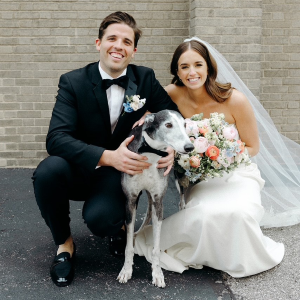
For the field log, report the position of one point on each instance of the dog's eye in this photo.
(169, 125)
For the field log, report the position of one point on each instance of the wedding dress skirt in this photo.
(218, 228)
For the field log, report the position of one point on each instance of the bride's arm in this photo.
(245, 121)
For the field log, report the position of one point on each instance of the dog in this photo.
(162, 129)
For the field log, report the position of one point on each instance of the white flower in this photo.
(142, 103)
(136, 98)
(184, 161)
(134, 105)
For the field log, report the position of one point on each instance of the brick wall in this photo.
(40, 40)
(280, 74)
(234, 29)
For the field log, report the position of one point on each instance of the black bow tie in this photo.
(146, 148)
(121, 81)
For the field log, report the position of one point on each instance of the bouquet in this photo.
(218, 149)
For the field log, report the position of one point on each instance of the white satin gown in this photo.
(219, 228)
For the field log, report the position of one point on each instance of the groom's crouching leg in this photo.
(50, 181)
(104, 211)
(107, 220)
(102, 221)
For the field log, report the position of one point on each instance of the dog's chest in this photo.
(150, 179)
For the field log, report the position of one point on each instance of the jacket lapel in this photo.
(100, 94)
(130, 91)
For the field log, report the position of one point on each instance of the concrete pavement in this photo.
(26, 252)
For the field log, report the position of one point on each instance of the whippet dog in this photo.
(165, 128)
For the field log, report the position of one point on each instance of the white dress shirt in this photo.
(115, 97)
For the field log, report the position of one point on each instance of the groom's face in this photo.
(116, 48)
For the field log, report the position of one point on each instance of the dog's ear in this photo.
(149, 124)
(149, 118)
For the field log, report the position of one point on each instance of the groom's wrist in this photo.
(106, 158)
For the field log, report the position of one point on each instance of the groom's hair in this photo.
(120, 17)
(218, 91)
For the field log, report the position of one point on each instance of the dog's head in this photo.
(166, 128)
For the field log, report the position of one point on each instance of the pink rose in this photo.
(191, 128)
(230, 133)
(201, 144)
(212, 152)
(194, 161)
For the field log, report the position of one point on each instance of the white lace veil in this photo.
(278, 158)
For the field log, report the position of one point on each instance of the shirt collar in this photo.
(104, 75)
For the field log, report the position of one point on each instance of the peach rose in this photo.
(203, 130)
(241, 146)
(194, 161)
(212, 152)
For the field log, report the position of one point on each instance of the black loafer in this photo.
(62, 269)
(117, 243)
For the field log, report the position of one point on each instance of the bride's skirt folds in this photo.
(218, 228)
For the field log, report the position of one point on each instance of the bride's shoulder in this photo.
(171, 88)
(238, 103)
(174, 91)
(237, 99)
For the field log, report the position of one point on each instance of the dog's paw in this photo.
(181, 205)
(158, 278)
(124, 275)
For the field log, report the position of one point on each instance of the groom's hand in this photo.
(124, 160)
(167, 162)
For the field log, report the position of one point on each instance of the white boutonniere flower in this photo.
(133, 103)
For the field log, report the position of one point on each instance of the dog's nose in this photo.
(189, 147)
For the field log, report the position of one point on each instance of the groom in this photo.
(87, 142)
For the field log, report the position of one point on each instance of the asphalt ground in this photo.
(27, 250)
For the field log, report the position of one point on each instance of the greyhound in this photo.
(165, 128)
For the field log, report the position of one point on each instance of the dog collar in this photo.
(146, 148)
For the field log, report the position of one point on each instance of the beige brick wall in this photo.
(40, 40)
(280, 64)
(234, 28)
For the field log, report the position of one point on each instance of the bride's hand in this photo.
(141, 120)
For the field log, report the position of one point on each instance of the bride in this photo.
(220, 225)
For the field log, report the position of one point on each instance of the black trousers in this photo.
(56, 182)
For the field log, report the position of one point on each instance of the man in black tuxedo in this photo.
(87, 142)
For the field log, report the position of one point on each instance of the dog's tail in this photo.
(147, 216)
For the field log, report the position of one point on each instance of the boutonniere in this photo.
(133, 103)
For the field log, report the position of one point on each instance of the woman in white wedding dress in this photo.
(220, 225)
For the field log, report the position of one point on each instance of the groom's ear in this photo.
(134, 51)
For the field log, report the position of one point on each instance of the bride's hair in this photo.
(218, 91)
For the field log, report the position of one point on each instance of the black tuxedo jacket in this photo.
(80, 127)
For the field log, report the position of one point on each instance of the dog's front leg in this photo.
(126, 271)
(181, 191)
(157, 274)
